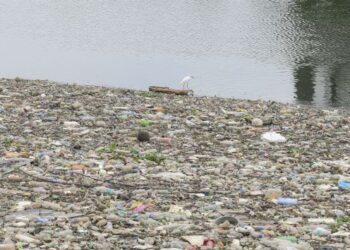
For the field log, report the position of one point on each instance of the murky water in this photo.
(285, 50)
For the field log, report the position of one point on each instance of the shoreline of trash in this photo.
(88, 167)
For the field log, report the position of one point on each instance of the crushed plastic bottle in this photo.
(259, 228)
(320, 231)
(287, 201)
(43, 158)
(42, 221)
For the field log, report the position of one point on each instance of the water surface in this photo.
(290, 50)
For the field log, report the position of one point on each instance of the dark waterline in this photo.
(290, 51)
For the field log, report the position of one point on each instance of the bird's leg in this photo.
(187, 86)
(183, 86)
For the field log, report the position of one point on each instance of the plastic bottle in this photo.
(287, 201)
(344, 184)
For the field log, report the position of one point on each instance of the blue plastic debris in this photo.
(42, 221)
(344, 184)
(287, 201)
(109, 191)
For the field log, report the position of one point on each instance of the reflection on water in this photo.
(291, 50)
(326, 76)
(304, 83)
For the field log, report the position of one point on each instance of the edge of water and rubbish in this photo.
(99, 167)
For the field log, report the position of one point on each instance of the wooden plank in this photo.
(167, 90)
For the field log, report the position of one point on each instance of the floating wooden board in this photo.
(167, 90)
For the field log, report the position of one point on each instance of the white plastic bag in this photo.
(273, 137)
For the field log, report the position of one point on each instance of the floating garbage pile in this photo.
(98, 168)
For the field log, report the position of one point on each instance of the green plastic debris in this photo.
(145, 123)
(289, 238)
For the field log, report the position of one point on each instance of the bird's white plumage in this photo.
(186, 80)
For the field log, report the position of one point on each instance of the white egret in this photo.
(185, 81)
